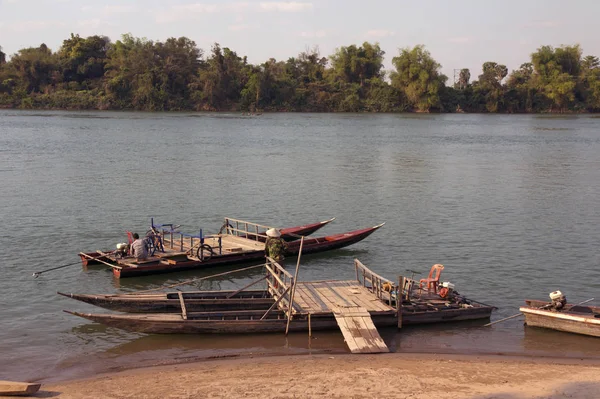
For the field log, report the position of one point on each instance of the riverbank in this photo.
(417, 376)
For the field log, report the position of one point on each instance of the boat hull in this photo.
(175, 324)
(583, 320)
(309, 246)
(201, 301)
(288, 234)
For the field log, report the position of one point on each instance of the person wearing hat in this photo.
(275, 246)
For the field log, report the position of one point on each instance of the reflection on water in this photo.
(507, 203)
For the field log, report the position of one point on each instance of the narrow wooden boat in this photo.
(314, 303)
(576, 319)
(293, 233)
(14, 388)
(169, 302)
(288, 234)
(236, 322)
(219, 250)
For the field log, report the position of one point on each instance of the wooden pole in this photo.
(291, 308)
(309, 327)
(90, 258)
(521, 314)
(275, 304)
(399, 296)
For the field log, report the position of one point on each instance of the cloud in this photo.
(28, 26)
(460, 39)
(310, 35)
(282, 6)
(184, 12)
(239, 27)
(93, 23)
(544, 24)
(380, 33)
(107, 11)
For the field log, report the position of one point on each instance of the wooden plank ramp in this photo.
(358, 329)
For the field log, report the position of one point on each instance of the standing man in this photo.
(139, 248)
(275, 246)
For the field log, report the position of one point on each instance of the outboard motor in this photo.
(447, 289)
(558, 300)
(122, 249)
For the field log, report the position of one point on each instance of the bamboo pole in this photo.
(36, 274)
(196, 279)
(291, 308)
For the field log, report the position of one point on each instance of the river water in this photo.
(508, 203)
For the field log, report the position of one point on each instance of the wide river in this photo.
(508, 203)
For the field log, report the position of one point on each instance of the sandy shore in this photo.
(348, 376)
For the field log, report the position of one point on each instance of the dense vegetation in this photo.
(140, 74)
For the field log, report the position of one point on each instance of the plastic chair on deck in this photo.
(433, 280)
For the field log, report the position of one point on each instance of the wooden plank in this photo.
(321, 305)
(182, 303)
(18, 388)
(359, 331)
(311, 304)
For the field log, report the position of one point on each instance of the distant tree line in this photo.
(141, 74)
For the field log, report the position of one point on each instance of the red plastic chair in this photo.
(130, 237)
(433, 280)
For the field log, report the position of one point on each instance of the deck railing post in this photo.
(181, 238)
(293, 285)
(399, 295)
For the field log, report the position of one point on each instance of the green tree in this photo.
(557, 71)
(489, 86)
(418, 77)
(353, 64)
(34, 68)
(2, 57)
(521, 89)
(463, 79)
(83, 59)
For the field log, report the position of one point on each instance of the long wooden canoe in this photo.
(169, 302)
(236, 322)
(294, 233)
(14, 388)
(214, 301)
(248, 251)
(576, 319)
(244, 322)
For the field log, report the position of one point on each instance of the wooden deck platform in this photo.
(317, 297)
(352, 306)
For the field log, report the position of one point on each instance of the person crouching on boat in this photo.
(275, 246)
(139, 248)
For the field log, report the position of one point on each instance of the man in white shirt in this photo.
(139, 248)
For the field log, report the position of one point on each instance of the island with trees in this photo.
(175, 75)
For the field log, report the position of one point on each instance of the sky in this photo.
(458, 34)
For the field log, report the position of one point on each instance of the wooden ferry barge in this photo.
(357, 307)
(244, 242)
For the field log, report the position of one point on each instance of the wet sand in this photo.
(393, 375)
